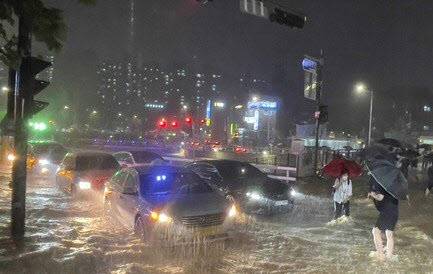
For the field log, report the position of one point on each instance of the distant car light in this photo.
(43, 162)
(11, 157)
(294, 193)
(44, 170)
(84, 185)
(233, 211)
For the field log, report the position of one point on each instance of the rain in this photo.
(210, 136)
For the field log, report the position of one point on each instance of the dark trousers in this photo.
(340, 209)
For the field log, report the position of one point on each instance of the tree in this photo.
(48, 26)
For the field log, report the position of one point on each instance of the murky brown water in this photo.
(66, 236)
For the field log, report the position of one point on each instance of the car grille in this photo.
(203, 220)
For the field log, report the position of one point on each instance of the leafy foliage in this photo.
(48, 26)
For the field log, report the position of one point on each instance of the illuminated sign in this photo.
(262, 105)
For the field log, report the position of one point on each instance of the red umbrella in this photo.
(337, 166)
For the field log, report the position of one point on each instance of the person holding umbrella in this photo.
(342, 193)
(387, 186)
(343, 171)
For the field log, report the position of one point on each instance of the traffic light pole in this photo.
(318, 103)
(19, 169)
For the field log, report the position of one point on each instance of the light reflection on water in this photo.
(70, 236)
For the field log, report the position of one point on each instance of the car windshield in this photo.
(145, 156)
(230, 171)
(98, 162)
(172, 183)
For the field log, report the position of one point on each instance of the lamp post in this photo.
(361, 88)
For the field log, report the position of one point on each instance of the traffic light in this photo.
(323, 116)
(188, 120)
(33, 66)
(288, 18)
(162, 123)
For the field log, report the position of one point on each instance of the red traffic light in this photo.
(162, 123)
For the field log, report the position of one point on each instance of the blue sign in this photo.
(262, 105)
(309, 65)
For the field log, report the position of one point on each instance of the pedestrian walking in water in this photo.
(342, 193)
(429, 181)
(387, 206)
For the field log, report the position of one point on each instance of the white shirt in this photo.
(343, 190)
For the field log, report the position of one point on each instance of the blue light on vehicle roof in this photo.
(161, 178)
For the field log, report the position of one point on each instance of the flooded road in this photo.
(67, 236)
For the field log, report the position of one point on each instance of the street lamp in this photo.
(361, 89)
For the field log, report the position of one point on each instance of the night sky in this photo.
(384, 43)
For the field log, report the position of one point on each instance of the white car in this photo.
(167, 202)
(137, 158)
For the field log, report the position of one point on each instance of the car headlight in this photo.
(255, 196)
(233, 211)
(84, 185)
(160, 217)
(43, 162)
(44, 170)
(11, 157)
(293, 193)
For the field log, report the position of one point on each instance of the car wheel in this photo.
(141, 228)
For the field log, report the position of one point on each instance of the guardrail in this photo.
(281, 173)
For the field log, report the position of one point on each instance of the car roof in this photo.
(149, 169)
(222, 162)
(90, 153)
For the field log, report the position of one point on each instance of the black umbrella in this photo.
(389, 177)
(411, 154)
(425, 146)
(377, 151)
(428, 157)
(390, 142)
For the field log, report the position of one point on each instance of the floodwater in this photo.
(67, 236)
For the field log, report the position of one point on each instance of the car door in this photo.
(128, 199)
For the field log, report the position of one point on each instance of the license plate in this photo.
(208, 231)
(281, 203)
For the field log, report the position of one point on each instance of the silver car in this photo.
(167, 202)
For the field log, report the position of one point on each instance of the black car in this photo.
(252, 189)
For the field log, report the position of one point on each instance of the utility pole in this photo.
(19, 168)
(318, 103)
(313, 91)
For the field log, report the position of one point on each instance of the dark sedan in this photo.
(252, 189)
